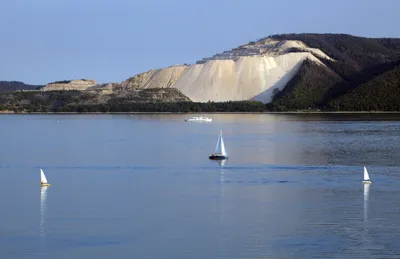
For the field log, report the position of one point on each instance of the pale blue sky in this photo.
(109, 41)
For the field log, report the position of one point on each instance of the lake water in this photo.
(142, 186)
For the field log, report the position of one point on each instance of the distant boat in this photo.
(199, 119)
(366, 176)
(43, 179)
(220, 152)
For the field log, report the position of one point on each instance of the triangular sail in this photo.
(223, 152)
(220, 147)
(43, 178)
(366, 175)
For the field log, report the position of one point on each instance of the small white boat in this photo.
(220, 152)
(199, 119)
(43, 179)
(366, 176)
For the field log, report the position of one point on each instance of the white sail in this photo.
(220, 147)
(223, 151)
(366, 175)
(43, 178)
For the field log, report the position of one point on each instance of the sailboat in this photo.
(220, 152)
(43, 179)
(366, 176)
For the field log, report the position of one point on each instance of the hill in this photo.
(76, 101)
(67, 85)
(286, 72)
(358, 62)
(8, 86)
(382, 93)
(250, 72)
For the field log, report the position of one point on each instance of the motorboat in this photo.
(199, 119)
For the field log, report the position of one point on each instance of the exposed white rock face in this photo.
(295, 44)
(158, 78)
(267, 47)
(249, 72)
(107, 88)
(80, 85)
(247, 78)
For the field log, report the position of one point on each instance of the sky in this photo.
(109, 41)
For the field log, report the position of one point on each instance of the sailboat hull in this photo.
(369, 181)
(44, 184)
(218, 157)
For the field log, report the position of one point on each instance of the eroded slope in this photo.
(250, 72)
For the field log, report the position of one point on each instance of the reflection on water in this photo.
(43, 194)
(366, 237)
(290, 189)
(365, 207)
(221, 205)
(221, 194)
(366, 196)
(221, 163)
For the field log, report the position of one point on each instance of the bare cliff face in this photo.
(159, 78)
(246, 78)
(250, 72)
(80, 85)
(253, 71)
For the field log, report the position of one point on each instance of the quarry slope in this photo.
(250, 72)
(247, 78)
(158, 78)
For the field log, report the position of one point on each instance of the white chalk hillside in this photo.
(158, 78)
(250, 72)
(247, 78)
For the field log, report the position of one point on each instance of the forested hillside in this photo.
(382, 93)
(358, 62)
(8, 86)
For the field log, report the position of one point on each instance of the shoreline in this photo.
(143, 113)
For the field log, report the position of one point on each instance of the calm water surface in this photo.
(142, 187)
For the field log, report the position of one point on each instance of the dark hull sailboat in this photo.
(217, 157)
(220, 152)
